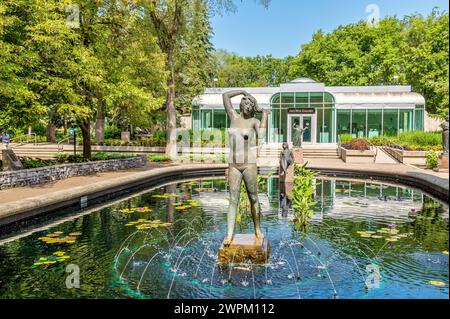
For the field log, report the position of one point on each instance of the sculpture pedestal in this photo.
(244, 248)
(298, 155)
(10, 161)
(443, 164)
(298, 159)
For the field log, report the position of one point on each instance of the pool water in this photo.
(365, 240)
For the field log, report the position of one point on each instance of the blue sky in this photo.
(286, 24)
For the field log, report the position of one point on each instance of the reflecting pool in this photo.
(365, 240)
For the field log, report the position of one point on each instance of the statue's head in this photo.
(249, 106)
(285, 145)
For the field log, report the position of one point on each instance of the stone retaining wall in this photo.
(52, 173)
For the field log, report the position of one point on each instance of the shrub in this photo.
(158, 138)
(420, 138)
(62, 157)
(158, 158)
(28, 163)
(112, 132)
(382, 141)
(102, 156)
(345, 138)
(359, 144)
(432, 159)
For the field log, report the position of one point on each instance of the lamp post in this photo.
(73, 134)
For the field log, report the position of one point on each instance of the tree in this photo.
(18, 105)
(168, 20)
(414, 49)
(236, 71)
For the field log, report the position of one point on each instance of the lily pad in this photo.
(437, 283)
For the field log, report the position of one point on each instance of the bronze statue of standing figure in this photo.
(298, 137)
(245, 134)
(286, 159)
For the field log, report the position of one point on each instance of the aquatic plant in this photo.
(243, 211)
(303, 194)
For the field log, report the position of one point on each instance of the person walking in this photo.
(6, 138)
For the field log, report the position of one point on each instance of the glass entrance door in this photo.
(301, 126)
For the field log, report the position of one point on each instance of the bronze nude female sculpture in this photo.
(245, 133)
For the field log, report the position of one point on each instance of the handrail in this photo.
(60, 146)
(60, 143)
(373, 148)
(20, 138)
(339, 145)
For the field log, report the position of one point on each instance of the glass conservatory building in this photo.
(328, 112)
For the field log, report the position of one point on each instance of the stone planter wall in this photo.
(408, 157)
(52, 173)
(355, 156)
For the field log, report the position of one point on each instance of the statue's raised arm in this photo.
(227, 96)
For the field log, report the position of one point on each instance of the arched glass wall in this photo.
(324, 114)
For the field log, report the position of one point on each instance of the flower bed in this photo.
(357, 151)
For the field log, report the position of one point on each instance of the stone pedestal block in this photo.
(443, 163)
(245, 248)
(298, 155)
(10, 161)
(125, 137)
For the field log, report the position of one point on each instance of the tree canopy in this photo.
(127, 60)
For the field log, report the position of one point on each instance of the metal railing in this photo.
(60, 144)
(375, 149)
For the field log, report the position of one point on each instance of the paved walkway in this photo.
(19, 193)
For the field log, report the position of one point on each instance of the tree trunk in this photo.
(85, 131)
(171, 126)
(100, 125)
(50, 133)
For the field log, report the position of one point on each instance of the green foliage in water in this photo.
(303, 195)
(244, 213)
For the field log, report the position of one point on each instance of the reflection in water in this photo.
(163, 243)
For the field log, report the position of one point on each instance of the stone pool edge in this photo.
(83, 196)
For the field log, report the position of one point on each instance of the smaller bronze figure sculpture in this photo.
(286, 159)
(445, 129)
(298, 137)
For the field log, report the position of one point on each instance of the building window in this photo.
(316, 98)
(405, 121)
(374, 123)
(283, 125)
(275, 99)
(319, 125)
(207, 119)
(343, 122)
(220, 119)
(328, 125)
(274, 127)
(287, 98)
(419, 118)
(359, 123)
(302, 98)
(390, 122)
(195, 118)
